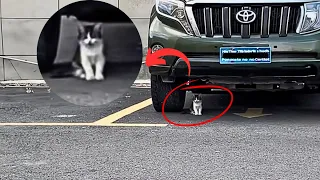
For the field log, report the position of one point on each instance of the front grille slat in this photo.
(271, 19)
(245, 28)
(226, 25)
(217, 20)
(284, 20)
(208, 22)
(265, 21)
(211, 22)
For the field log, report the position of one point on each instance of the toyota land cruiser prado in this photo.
(240, 44)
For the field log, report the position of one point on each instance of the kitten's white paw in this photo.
(78, 73)
(82, 76)
(99, 77)
(90, 77)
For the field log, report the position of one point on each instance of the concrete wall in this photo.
(22, 21)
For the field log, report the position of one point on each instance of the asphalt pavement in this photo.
(263, 136)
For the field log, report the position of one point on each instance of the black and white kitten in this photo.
(196, 105)
(89, 61)
(92, 59)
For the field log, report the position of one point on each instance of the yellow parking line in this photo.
(84, 124)
(45, 124)
(120, 114)
(133, 125)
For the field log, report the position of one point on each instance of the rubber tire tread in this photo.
(159, 90)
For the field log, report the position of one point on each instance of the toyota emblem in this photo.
(246, 16)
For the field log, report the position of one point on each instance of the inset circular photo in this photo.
(89, 53)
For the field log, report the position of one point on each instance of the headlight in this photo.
(311, 19)
(174, 9)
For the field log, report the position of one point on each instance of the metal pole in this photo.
(19, 60)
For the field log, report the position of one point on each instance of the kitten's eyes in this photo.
(96, 35)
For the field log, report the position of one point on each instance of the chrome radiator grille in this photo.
(280, 19)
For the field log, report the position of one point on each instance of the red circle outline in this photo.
(197, 87)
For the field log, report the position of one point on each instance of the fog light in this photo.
(156, 48)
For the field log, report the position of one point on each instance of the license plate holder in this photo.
(245, 55)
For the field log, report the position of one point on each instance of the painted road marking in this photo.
(64, 116)
(141, 83)
(45, 124)
(107, 121)
(120, 114)
(252, 113)
(85, 124)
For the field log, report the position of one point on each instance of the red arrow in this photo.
(154, 58)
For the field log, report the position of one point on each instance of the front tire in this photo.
(159, 90)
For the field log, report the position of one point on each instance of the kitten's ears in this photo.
(98, 27)
(198, 96)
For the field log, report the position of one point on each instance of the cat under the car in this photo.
(196, 105)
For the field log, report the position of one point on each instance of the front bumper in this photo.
(294, 56)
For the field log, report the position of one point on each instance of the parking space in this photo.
(247, 108)
(135, 107)
(263, 135)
